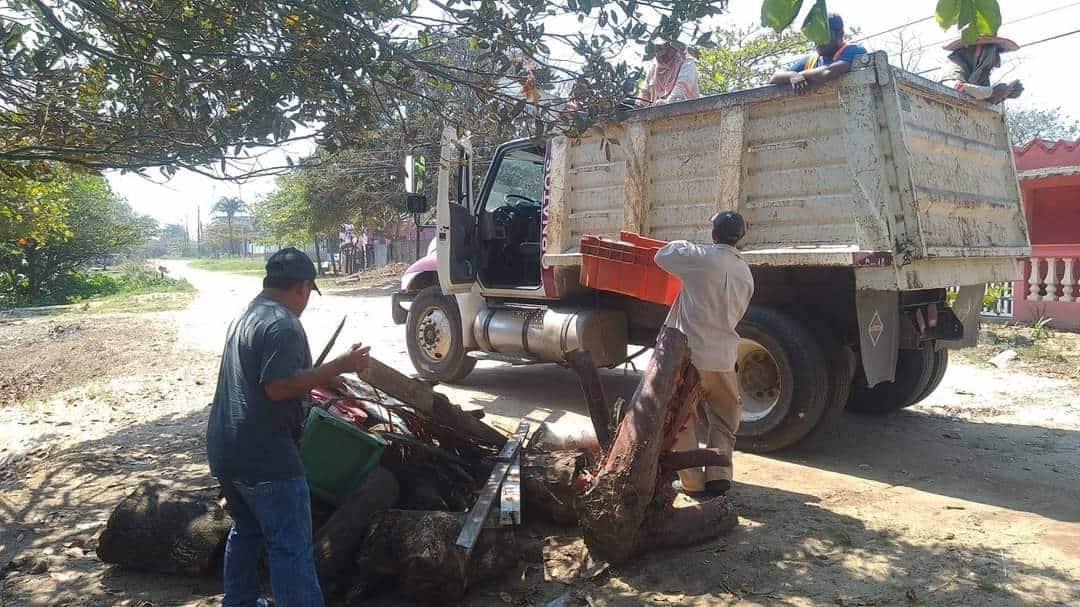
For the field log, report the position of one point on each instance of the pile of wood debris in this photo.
(440, 511)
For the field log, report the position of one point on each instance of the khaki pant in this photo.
(723, 410)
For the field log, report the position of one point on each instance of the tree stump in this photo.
(161, 530)
(549, 485)
(629, 506)
(415, 549)
(337, 541)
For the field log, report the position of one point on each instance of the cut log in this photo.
(337, 540)
(161, 530)
(581, 361)
(459, 429)
(628, 508)
(549, 485)
(416, 550)
(411, 391)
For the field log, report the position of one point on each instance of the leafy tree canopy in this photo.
(1050, 124)
(132, 84)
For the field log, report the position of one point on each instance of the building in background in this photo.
(1049, 175)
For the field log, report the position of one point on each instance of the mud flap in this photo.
(879, 333)
(968, 305)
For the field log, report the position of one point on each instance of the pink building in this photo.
(1050, 183)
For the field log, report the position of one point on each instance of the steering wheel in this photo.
(524, 199)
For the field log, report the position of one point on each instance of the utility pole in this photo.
(198, 231)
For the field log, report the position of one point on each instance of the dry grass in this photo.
(1041, 352)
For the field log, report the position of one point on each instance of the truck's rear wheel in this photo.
(841, 370)
(941, 364)
(782, 381)
(914, 371)
(434, 338)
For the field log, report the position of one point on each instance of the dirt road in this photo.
(972, 498)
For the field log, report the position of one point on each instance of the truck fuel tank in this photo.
(546, 334)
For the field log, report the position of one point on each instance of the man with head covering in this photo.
(716, 289)
(973, 66)
(830, 61)
(673, 77)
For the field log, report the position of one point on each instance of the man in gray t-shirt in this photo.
(253, 434)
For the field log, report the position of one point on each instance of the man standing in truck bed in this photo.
(716, 290)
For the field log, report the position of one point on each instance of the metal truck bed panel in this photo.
(880, 162)
(966, 192)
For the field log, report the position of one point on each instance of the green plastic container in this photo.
(336, 455)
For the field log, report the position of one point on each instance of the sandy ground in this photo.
(972, 498)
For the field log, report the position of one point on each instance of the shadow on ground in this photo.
(1017, 467)
(790, 550)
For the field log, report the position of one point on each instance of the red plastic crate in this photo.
(626, 266)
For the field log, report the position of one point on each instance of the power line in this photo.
(893, 29)
(1012, 22)
(1031, 44)
(1023, 47)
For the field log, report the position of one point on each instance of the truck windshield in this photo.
(518, 181)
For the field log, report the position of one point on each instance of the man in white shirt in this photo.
(716, 289)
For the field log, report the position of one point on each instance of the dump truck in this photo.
(878, 206)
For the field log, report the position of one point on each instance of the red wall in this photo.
(1054, 215)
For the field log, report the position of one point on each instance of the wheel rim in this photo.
(433, 334)
(759, 381)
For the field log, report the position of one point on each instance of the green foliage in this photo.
(139, 278)
(994, 292)
(86, 222)
(160, 85)
(1049, 124)
(79, 286)
(1040, 328)
(744, 58)
(973, 18)
(816, 24)
(778, 14)
(241, 265)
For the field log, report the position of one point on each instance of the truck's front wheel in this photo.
(434, 337)
(783, 381)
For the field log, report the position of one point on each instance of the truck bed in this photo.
(880, 170)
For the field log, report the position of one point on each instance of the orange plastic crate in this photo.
(626, 266)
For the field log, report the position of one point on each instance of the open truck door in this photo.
(455, 221)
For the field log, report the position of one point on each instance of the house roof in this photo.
(1041, 154)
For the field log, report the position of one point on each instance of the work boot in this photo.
(717, 488)
(677, 485)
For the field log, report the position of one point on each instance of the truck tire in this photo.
(914, 370)
(941, 364)
(783, 381)
(434, 338)
(841, 372)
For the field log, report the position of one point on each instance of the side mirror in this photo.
(416, 204)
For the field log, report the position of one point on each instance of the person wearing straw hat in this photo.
(673, 77)
(830, 61)
(974, 63)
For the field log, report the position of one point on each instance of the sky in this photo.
(187, 195)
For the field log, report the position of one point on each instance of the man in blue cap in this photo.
(830, 61)
(252, 438)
